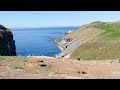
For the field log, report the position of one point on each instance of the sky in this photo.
(28, 19)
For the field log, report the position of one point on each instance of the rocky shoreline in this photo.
(59, 47)
(57, 44)
(66, 45)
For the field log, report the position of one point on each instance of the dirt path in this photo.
(51, 68)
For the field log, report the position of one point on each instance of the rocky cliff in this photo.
(7, 44)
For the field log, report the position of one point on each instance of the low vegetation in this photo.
(11, 58)
(97, 51)
(105, 46)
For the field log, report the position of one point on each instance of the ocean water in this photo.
(37, 41)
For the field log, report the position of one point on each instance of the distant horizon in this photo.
(26, 19)
(42, 27)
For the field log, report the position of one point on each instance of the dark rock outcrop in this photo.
(7, 44)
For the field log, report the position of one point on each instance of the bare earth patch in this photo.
(52, 68)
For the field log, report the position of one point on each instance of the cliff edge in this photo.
(7, 44)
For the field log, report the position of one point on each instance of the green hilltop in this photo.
(104, 46)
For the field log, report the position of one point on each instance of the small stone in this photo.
(84, 72)
(111, 62)
(78, 58)
(43, 65)
(40, 61)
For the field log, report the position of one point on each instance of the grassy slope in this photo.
(11, 58)
(105, 46)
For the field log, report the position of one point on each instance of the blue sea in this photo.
(37, 41)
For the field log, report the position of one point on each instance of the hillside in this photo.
(96, 41)
(105, 46)
(90, 52)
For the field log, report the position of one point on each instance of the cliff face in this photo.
(7, 44)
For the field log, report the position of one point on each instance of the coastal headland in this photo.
(90, 52)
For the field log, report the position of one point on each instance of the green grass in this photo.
(10, 58)
(14, 58)
(107, 26)
(112, 31)
(103, 47)
(97, 51)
